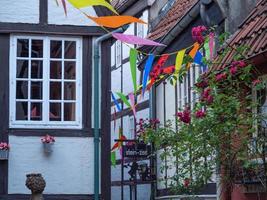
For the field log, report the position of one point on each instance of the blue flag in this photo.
(116, 101)
(148, 67)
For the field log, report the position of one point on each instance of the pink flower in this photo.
(256, 82)
(206, 93)
(203, 84)
(220, 77)
(184, 116)
(240, 64)
(210, 99)
(200, 114)
(186, 182)
(197, 33)
(48, 139)
(233, 70)
(4, 146)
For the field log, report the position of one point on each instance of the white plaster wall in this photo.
(57, 16)
(19, 11)
(68, 170)
(170, 101)
(160, 103)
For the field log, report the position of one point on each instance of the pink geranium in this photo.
(200, 114)
(206, 96)
(220, 77)
(233, 70)
(202, 84)
(48, 139)
(197, 33)
(240, 64)
(4, 146)
(256, 82)
(184, 116)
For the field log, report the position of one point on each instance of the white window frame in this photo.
(45, 123)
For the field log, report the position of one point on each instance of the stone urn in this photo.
(35, 183)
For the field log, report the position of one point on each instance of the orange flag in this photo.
(115, 21)
(193, 52)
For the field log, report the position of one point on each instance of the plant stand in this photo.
(48, 147)
(4, 154)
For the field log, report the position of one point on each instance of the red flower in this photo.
(200, 114)
(256, 82)
(203, 84)
(233, 70)
(4, 146)
(210, 99)
(220, 77)
(186, 182)
(48, 139)
(206, 93)
(197, 33)
(240, 64)
(184, 116)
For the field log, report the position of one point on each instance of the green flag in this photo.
(124, 99)
(133, 60)
(113, 158)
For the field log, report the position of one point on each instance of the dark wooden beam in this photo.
(4, 108)
(51, 29)
(43, 10)
(48, 197)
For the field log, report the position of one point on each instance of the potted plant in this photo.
(48, 141)
(4, 150)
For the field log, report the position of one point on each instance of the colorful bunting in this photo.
(132, 99)
(124, 99)
(86, 3)
(113, 159)
(147, 70)
(132, 39)
(179, 61)
(116, 102)
(115, 21)
(194, 50)
(133, 60)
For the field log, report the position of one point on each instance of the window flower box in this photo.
(4, 151)
(48, 142)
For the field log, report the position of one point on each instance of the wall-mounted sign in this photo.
(136, 150)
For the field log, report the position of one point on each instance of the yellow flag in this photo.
(86, 3)
(179, 61)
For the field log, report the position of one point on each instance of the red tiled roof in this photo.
(252, 33)
(118, 3)
(179, 9)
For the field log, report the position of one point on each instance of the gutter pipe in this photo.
(96, 66)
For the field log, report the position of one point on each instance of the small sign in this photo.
(136, 150)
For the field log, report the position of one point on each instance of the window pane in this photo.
(55, 70)
(70, 50)
(69, 70)
(22, 69)
(23, 48)
(22, 90)
(55, 49)
(37, 69)
(69, 91)
(69, 111)
(37, 48)
(55, 90)
(55, 112)
(36, 111)
(21, 110)
(36, 90)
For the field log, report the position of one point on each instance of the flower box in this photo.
(4, 154)
(48, 141)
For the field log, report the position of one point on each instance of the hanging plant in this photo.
(48, 141)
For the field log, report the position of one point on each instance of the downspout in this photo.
(96, 66)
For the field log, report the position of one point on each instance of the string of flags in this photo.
(152, 74)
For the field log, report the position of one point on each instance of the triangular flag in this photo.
(147, 70)
(193, 52)
(113, 159)
(64, 6)
(131, 97)
(124, 99)
(116, 101)
(211, 44)
(132, 39)
(179, 61)
(133, 60)
(87, 3)
(115, 21)
(207, 49)
(198, 60)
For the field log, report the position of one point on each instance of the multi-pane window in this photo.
(45, 76)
